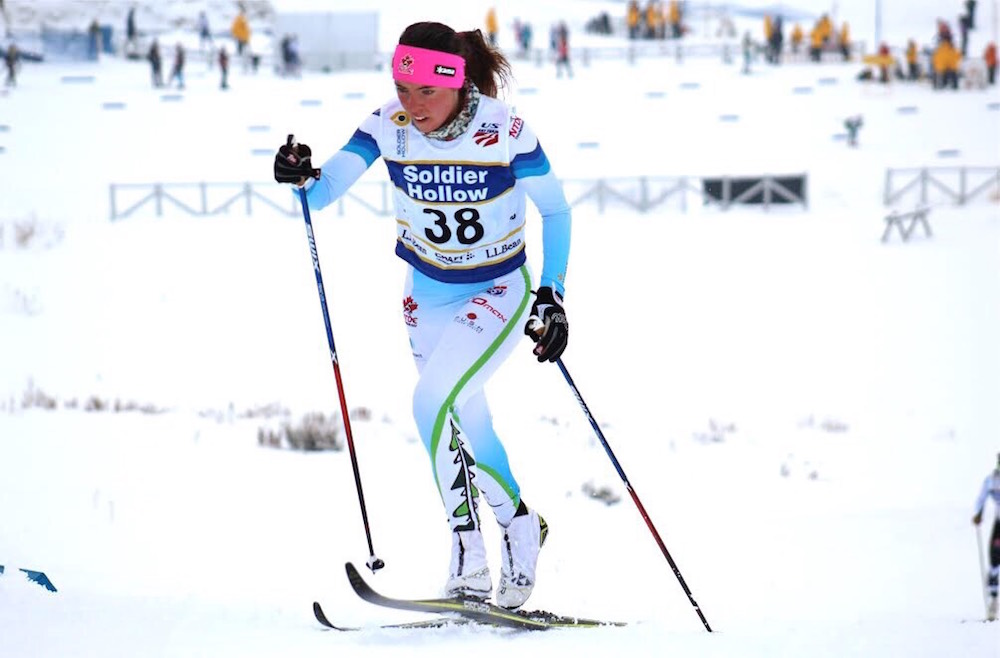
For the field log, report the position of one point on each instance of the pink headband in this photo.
(428, 67)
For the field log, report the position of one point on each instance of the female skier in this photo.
(461, 163)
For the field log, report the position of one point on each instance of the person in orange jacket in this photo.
(990, 58)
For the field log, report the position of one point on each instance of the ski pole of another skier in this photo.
(982, 570)
(373, 563)
(632, 493)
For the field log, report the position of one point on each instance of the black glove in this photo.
(293, 163)
(547, 325)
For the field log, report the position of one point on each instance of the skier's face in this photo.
(429, 107)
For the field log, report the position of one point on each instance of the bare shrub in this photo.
(313, 432)
(603, 494)
(24, 232)
(95, 403)
(37, 398)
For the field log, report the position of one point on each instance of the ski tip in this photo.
(321, 616)
(357, 581)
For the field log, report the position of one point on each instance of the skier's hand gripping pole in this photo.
(547, 325)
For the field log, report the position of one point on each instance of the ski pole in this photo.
(982, 570)
(373, 563)
(631, 491)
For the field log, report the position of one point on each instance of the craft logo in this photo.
(487, 135)
(515, 127)
(406, 65)
(409, 306)
(441, 69)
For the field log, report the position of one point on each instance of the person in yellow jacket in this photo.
(815, 43)
(654, 20)
(945, 61)
(632, 19)
(674, 18)
(492, 27)
(912, 61)
(797, 37)
(825, 28)
(241, 32)
(844, 39)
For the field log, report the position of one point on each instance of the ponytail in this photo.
(484, 65)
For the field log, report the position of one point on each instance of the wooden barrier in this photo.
(906, 222)
(959, 185)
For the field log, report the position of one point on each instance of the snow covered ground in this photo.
(806, 413)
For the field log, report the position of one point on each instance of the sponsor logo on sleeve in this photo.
(515, 127)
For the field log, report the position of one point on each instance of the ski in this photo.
(440, 622)
(473, 610)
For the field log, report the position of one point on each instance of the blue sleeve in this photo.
(545, 191)
(343, 169)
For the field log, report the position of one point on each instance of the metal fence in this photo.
(642, 194)
(958, 185)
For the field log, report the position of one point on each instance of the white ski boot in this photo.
(991, 611)
(520, 544)
(470, 574)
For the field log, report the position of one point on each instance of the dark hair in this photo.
(484, 65)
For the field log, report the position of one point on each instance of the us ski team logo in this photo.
(487, 135)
